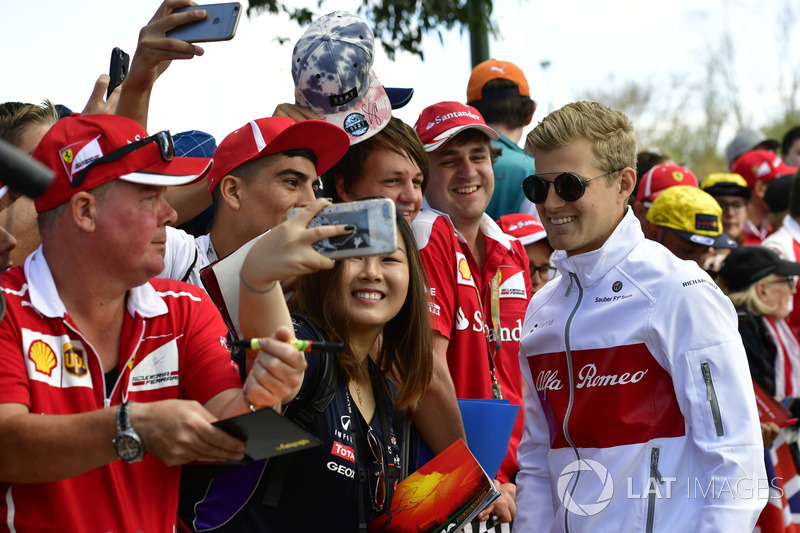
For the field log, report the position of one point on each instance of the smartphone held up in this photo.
(219, 25)
(120, 63)
(375, 230)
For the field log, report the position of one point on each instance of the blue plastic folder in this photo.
(488, 425)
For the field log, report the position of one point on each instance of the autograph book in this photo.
(445, 494)
(267, 434)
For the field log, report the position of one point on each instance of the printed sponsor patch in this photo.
(55, 359)
(463, 273)
(79, 155)
(513, 284)
(706, 222)
(157, 370)
(74, 360)
(343, 451)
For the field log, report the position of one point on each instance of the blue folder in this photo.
(488, 425)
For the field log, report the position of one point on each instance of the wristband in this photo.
(253, 289)
(246, 399)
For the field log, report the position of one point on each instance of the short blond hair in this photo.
(609, 130)
(748, 299)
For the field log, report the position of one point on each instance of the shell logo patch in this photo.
(463, 273)
(74, 360)
(43, 357)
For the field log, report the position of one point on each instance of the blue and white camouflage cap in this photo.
(332, 71)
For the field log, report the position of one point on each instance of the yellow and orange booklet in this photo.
(445, 494)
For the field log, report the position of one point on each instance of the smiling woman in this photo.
(376, 306)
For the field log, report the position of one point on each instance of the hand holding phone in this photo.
(219, 25)
(120, 63)
(375, 230)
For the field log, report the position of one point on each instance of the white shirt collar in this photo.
(44, 296)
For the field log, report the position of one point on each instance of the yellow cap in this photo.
(694, 215)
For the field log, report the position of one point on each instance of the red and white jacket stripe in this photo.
(639, 407)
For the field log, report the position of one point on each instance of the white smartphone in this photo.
(375, 230)
(219, 25)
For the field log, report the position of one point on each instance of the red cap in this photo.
(440, 122)
(526, 228)
(760, 165)
(271, 135)
(662, 177)
(493, 69)
(75, 142)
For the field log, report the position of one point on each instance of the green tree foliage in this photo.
(400, 25)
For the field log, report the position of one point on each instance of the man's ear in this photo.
(627, 182)
(761, 288)
(230, 189)
(341, 191)
(530, 115)
(83, 209)
(760, 188)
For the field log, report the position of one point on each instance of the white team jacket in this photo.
(639, 407)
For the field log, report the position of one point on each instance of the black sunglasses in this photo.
(165, 147)
(569, 186)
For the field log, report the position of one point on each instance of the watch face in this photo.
(128, 447)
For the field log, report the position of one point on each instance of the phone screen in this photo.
(219, 25)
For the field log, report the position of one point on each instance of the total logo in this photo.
(593, 478)
(506, 334)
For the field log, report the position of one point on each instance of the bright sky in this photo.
(56, 50)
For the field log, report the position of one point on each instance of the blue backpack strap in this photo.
(310, 407)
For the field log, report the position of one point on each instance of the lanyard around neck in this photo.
(386, 451)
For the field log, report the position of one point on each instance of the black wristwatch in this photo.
(127, 443)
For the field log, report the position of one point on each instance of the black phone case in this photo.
(120, 62)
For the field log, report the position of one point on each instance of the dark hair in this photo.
(406, 347)
(645, 160)
(396, 136)
(788, 140)
(512, 111)
(794, 196)
(248, 171)
(474, 134)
